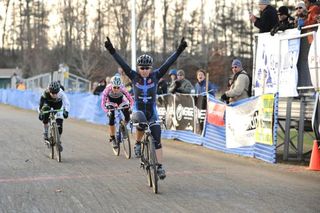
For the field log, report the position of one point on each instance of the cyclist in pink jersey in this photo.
(112, 96)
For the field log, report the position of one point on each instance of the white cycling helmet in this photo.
(116, 81)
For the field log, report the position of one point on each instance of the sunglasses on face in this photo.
(298, 8)
(145, 68)
(116, 87)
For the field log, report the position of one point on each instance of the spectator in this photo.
(181, 85)
(313, 12)
(239, 85)
(200, 87)
(268, 17)
(173, 76)
(285, 21)
(162, 87)
(101, 86)
(301, 15)
(61, 86)
(94, 86)
(108, 80)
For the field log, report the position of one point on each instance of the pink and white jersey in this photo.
(108, 96)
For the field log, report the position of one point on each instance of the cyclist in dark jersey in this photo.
(145, 83)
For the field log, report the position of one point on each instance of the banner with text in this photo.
(267, 68)
(241, 123)
(264, 131)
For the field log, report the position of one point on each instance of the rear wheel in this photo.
(57, 142)
(153, 166)
(125, 141)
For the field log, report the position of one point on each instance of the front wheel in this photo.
(116, 151)
(56, 141)
(125, 141)
(153, 165)
(145, 159)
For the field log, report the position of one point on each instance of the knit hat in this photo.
(301, 4)
(236, 63)
(266, 2)
(180, 72)
(173, 72)
(283, 10)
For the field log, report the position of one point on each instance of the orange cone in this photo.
(315, 157)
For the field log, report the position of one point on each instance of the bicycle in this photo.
(149, 161)
(54, 136)
(122, 134)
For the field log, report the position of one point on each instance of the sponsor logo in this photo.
(184, 112)
(254, 121)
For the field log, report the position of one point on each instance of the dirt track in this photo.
(92, 179)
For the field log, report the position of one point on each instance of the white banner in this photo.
(314, 68)
(267, 64)
(241, 123)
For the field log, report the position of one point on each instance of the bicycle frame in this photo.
(54, 133)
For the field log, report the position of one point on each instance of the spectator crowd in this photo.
(270, 20)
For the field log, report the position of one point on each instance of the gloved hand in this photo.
(109, 46)
(183, 44)
(41, 116)
(224, 97)
(300, 23)
(65, 114)
(45, 108)
(109, 106)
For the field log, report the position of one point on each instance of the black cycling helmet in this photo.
(145, 60)
(54, 87)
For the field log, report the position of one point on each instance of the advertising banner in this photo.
(264, 133)
(241, 123)
(184, 112)
(314, 62)
(269, 67)
(215, 113)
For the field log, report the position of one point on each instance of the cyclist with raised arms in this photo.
(112, 96)
(53, 97)
(145, 89)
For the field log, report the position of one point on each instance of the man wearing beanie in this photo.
(285, 21)
(181, 85)
(268, 17)
(240, 85)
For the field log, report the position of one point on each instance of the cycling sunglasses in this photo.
(116, 87)
(145, 68)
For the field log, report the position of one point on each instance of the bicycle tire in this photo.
(116, 151)
(145, 159)
(125, 141)
(153, 165)
(56, 141)
(51, 142)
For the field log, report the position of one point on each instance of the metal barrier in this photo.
(38, 82)
(71, 82)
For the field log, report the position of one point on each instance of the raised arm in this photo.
(126, 68)
(165, 66)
